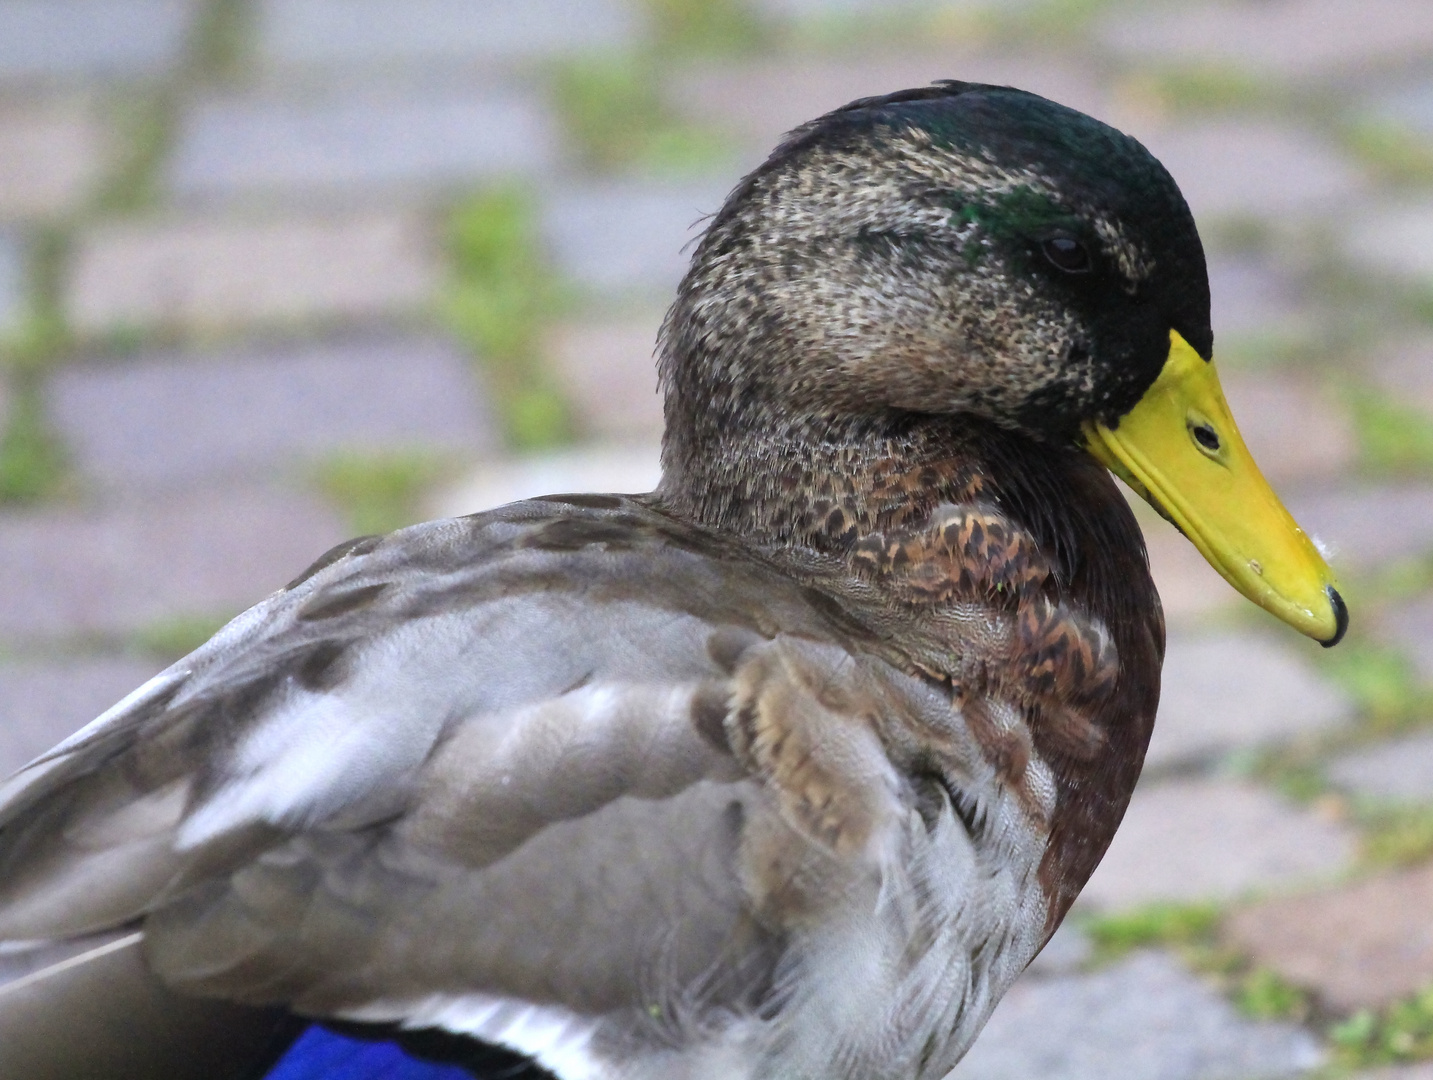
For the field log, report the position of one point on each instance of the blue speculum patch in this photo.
(319, 1054)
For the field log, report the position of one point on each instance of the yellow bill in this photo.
(1180, 449)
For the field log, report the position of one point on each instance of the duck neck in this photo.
(823, 483)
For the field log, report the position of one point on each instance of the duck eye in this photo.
(1067, 254)
(1206, 437)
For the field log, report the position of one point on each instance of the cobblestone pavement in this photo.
(276, 271)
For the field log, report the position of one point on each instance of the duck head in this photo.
(966, 250)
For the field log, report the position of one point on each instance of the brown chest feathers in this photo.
(1013, 577)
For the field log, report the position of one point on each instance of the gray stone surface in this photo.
(1407, 1072)
(1249, 298)
(1191, 840)
(359, 142)
(49, 39)
(1367, 526)
(1238, 691)
(51, 155)
(627, 238)
(12, 280)
(407, 31)
(1397, 770)
(1409, 628)
(1363, 946)
(758, 101)
(1409, 106)
(1403, 369)
(1394, 239)
(608, 372)
(166, 419)
(43, 701)
(1146, 1018)
(1280, 37)
(1295, 430)
(1065, 953)
(822, 9)
(1253, 168)
(1189, 588)
(626, 467)
(201, 272)
(117, 569)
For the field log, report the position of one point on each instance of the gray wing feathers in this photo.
(413, 765)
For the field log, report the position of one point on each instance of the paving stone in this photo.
(1403, 369)
(51, 155)
(823, 9)
(43, 701)
(1280, 37)
(1064, 954)
(1396, 770)
(12, 280)
(1238, 691)
(1191, 840)
(235, 147)
(1409, 106)
(67, 38)
(1189, 588)
(117, 569)
(1146, 1018)
(1367, 526)
(1250, 298)
(207, 273)
(625, 468)
(1408, 1072)
(1294, 430)
(1361, 946)
(608, 371)
(175, 418)
(627, 238)
(1253, 168)
(476, 31)
(1395, 239)
(759, 101)
(1409, 627)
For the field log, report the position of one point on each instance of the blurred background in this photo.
(276, 272)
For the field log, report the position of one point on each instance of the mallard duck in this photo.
(785, 769)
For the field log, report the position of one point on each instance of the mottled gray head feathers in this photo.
(957, 249)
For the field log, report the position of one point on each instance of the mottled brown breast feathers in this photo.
(1013, 576)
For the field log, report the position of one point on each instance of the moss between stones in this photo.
(32, 463)
(615, 116)
(1396, 835)
(1164, 925)
(1381, 681)
(1391, 151)
(223, 38)
(705, 26)
(1393, 438)
(502, 297)
(144, 124)
(1401, 1032)
(379, 493)
(176, 636)
(1191, 931)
